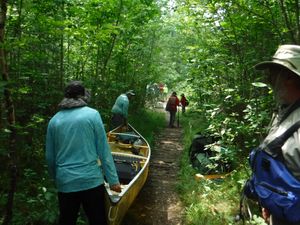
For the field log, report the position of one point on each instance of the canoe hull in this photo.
(116, 212)
(117, 204)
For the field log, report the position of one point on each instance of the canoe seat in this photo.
(127, 167)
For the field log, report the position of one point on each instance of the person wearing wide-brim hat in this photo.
(283, 75)
(120, 110)
(75, 142)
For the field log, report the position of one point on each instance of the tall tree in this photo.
(10, 118)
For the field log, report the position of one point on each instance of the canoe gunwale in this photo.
(131, 135)
(130, 155)
(123, 192)
(116, 198)
(127, 145)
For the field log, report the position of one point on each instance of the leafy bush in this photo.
(216, 201)
(148, 123)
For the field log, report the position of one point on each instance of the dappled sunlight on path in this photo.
(158, 202)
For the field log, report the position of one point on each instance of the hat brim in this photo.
(130, 93)
(276, 63)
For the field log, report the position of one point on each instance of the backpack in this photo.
(171, 104)
(127, 167)
(202, 155)
(127, 137)
(271, 183)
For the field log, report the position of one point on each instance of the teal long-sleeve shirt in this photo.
(121, 105)
(75, 140)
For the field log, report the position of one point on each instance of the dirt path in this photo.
(158, 202)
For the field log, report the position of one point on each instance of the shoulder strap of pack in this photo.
(278, 142)
(290, 110)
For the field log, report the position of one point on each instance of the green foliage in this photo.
(205, 49)
(36, 203)
(148, 123)
(211, 201)
(257, 220)
(107, 44)
(239, 121)
(36, 198)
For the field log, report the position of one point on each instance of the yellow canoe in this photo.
(131, 153)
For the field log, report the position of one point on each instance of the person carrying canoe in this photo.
(75, 142)
(120, 110)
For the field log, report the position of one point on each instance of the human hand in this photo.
(115, 187)
(266, 215)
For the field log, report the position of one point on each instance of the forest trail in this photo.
(158, 202)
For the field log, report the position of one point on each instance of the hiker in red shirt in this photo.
(183, 102)
(171, 107)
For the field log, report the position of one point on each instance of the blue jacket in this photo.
(75, 140)
(121, 106)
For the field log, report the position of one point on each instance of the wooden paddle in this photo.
(178, 117)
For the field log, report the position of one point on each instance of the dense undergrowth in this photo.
(213, 202)
(35, 198)
(148, 123)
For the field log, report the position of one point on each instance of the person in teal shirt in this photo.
(75, 143)
(120, 110)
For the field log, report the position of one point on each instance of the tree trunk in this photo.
(112, 43)
(287, 20)
(61, 72)
(297, 21)
(10, 119)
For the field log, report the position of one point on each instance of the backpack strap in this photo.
(277, 143)
(290, 110)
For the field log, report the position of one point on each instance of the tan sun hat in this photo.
(287, 56)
